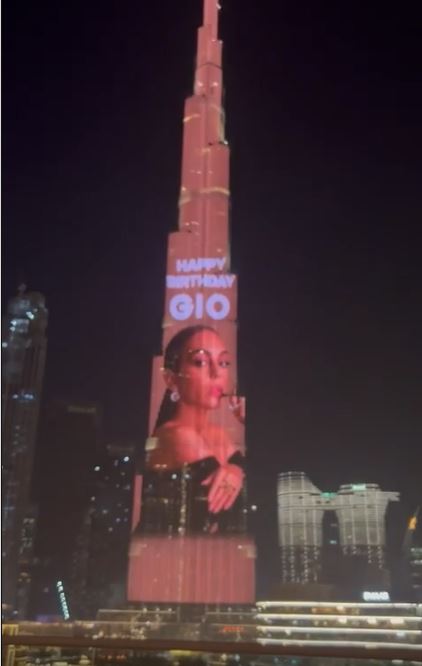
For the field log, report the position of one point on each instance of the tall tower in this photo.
(24, 345)
(190, 543)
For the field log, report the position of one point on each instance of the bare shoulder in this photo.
(177, 444)
(222, 443)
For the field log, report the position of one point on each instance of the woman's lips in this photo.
(216, 391)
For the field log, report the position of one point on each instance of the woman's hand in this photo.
(225, 485)
(238, 407)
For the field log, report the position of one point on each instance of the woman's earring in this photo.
(174, 395)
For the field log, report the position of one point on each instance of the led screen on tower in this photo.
(189, 542)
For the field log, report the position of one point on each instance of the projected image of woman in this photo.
(197, 377)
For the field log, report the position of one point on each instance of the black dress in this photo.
(175, 502)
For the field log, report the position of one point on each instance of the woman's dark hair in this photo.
(172, 357)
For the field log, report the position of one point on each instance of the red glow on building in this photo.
(182, 550)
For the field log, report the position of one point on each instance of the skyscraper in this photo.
(105, 534)
(24, 346)
(190, 541)
(356, 529)
(410, 567)
(64, 477)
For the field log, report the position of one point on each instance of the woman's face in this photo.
(203, 371)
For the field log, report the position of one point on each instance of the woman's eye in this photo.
(224, 364)
(199, 362)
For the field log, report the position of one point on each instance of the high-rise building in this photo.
(26, 560)
(64, 475)
(415, 563)
(24, 346)
(410, 569)
(101, 559)
(361, 509)
(190, 542)
(300, 513)
(315, 526)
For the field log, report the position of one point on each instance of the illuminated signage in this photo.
(190, 542)
(194, 274)
(376, 596)
(184, 306)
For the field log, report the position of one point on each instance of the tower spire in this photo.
(183, 565)
(208, 75)
(211, 8)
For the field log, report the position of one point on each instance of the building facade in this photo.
(360, 624)
(415, 566)
(352, 541)
(24, 346)
(190, 543)
(410, 573)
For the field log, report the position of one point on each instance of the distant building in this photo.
(26, 560)
(104, 541)
(24, 346)
(69, 447)
(300, 511)
(332, 538)
(415, 564)
(410, 575)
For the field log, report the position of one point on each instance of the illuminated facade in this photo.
(26, 560)
(415, 565)
(24, 346)
(287, 623)
(411, 572)
(190, 543)
(359, 510)
(346, 624)
(300, 513)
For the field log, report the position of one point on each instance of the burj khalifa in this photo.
(190, 541)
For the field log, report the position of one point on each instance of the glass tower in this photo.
(24, 345)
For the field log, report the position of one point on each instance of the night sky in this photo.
(323, 103)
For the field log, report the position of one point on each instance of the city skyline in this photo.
(324, 158)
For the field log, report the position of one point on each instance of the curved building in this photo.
(345, 529)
